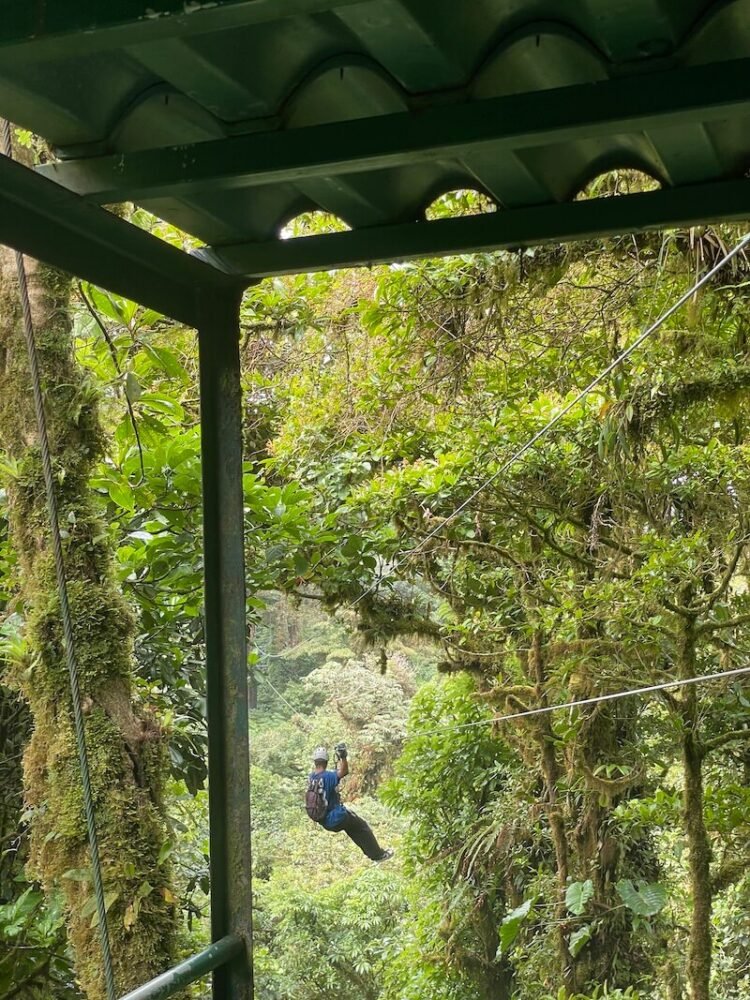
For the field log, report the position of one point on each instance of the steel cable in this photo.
(596, 700)
(558, 706)
(67, 624)
(543, 431)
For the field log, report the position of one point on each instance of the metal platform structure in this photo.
(228, 118)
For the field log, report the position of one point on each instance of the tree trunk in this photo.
(699, 950)
(15, 731)
(551, 773)
(125, 744)
(699, 848)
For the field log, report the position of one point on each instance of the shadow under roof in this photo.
(229, 118)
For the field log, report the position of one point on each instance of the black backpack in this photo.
(316, 800)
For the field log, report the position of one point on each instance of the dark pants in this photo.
(359, 831)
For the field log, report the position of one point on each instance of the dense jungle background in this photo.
(587, 853)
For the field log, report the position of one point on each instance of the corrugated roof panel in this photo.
(207, 72)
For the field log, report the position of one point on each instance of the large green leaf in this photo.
(646, 901)
(577, 895)
(121, 494)
(579, 939)
(167, 361)
(511, 925)
(133, 388)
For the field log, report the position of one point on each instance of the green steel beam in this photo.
(68, 28)
(226, 631)
(45, 221)
(189, 971)
(647, 102)
(722, 201)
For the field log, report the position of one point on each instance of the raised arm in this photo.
(342, 766)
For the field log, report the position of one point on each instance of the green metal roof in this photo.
(230, 117)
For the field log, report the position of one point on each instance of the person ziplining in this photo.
(323, 804)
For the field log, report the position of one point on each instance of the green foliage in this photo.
(645, 901)
(327, 920)
(330, 941)
(579, 939)
(577, 896)
(440, 810)
(511, 926)
(149, 485)
(615, 553)
(33, 955)
(599, 993)
(7, 555)
(455, 784)
(547, 858)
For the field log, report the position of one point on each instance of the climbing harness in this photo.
(67, 624)
(648, 332)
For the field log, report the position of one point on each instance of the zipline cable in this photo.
(262, 655)
(649, 331)
(278, 694)
(546, 709)
(598, 699)
(67, 624)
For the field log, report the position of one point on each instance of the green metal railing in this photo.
(189, 971)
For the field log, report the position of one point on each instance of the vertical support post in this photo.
(226, 631)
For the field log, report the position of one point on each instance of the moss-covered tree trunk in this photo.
(15, 729)
(125, 744)
(696, 834)
(551, 776)
(699, 848)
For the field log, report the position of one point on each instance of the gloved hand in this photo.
(341, 750)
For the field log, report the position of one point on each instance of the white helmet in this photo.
(320, 754)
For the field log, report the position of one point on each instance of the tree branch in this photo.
(730, 623)
(115, 361)
(728, 873)
(679, 609)
(726, 578)
(730, 737)
(307, 597)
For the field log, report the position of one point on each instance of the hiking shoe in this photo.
(385, 856)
